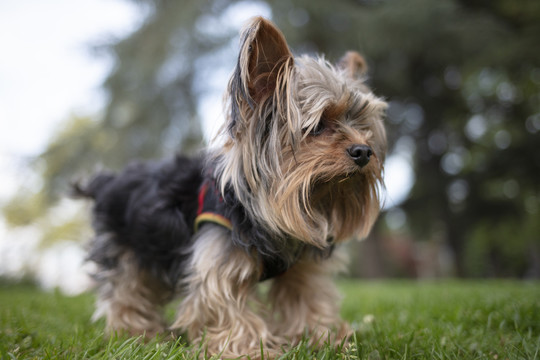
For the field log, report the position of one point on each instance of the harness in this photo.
(207, 211)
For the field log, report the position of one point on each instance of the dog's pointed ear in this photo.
(353, 63)
(263, 53)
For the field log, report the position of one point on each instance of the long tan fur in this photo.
(219, 296)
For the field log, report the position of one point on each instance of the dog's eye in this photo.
(317, 130)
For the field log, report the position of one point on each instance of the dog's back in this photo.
(148, 209)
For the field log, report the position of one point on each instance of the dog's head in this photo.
(304, 140)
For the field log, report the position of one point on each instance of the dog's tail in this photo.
(91, 188)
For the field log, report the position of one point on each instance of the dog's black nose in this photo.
(360, 154)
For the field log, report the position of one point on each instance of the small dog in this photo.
(297, 172)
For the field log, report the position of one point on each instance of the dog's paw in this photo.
(268, 347)
(321, 335)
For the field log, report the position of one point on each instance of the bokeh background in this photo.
(95, 84)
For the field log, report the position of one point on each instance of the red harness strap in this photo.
(207, 209)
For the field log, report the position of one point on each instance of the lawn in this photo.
(394, 320)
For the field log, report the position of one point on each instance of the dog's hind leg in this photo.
(129, 297)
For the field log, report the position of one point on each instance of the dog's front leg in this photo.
(305, 299)
(219, 296)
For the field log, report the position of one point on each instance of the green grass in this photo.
(394, 320)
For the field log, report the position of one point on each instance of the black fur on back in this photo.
(148, 208)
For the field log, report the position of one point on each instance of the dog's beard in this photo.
(318, 209)
(350, 204)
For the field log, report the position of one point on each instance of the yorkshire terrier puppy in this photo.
(296, 173)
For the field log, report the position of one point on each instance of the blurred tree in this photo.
(463, 81)
(462, 78)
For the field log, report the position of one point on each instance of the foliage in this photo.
(394, 320)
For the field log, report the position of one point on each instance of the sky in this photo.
(47, 69)
(48, 72)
